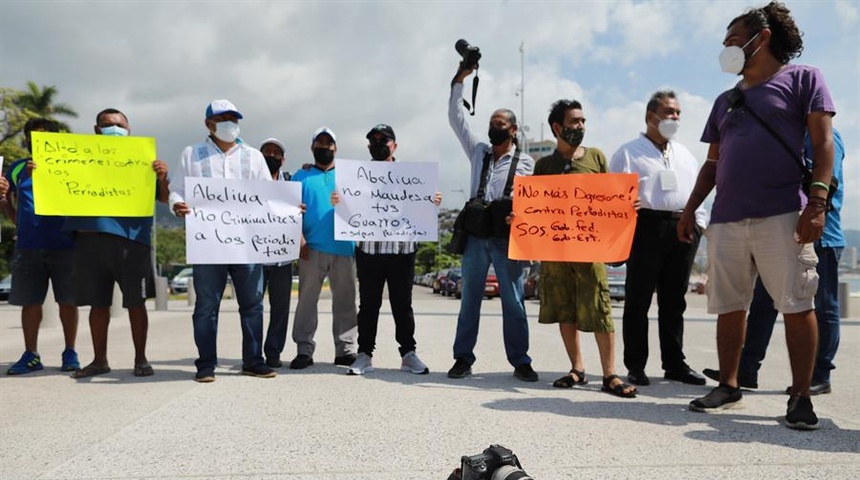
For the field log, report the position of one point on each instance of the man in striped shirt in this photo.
(381, 262)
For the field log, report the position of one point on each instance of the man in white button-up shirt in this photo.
(223, 155)
(658, 260)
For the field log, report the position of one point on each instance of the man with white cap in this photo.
(277, 277)
(322, 256)
(221, 155)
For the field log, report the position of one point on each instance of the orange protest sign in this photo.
(574, 217)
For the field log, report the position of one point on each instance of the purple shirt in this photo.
(756, 177)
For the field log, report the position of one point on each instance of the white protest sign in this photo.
(386, 201)
(242, 221)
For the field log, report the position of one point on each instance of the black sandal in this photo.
(568, 381)
(618, 390)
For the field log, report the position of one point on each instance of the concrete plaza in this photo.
(320, 424)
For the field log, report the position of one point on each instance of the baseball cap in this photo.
(217, 107)
(274, 141)
(383, 129)
(323, 130)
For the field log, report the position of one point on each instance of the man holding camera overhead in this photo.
(491, 166)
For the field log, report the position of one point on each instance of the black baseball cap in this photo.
(383, 129)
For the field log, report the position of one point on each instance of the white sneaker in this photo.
(411, 363)
(362, 364)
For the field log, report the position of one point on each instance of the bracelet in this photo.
(820, 184)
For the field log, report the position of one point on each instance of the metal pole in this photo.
(523, 94)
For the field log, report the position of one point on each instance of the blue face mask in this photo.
(114, 131)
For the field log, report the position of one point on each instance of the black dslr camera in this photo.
(494, 463)
(470, 53)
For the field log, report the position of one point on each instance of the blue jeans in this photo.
(209, 283)
(479, 254)
(762, 317)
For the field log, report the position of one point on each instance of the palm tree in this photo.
(40, 102)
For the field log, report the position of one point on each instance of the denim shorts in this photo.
(31, 270)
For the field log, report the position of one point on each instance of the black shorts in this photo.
(102, 259)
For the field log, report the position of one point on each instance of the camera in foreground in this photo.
(470, 53)
(494, 463)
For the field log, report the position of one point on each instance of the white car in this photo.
(179, 283)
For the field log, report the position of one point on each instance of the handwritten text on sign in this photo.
(93, 175)
(390, 201)
(574, 217)
(242, 221)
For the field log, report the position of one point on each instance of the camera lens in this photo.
(461, 46)
(510, 472)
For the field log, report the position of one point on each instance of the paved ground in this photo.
(320, 424)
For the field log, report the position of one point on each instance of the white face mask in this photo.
(227, 131)
(733, 59)
(668, 128)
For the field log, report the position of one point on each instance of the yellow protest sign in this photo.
(93, 175)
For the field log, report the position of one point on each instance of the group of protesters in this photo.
(769, 241)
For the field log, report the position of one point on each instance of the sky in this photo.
(291, 67)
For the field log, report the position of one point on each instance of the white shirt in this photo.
(476, 150)
(207, 160)
(641, 156)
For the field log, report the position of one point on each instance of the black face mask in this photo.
(572, 136)
(498, 136)
(274, 163)
(379, 151)
(323, 156)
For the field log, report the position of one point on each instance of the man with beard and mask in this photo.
(379, 263)
(496, 159)
(277, 277)
(658, 260)
(223, 155)
(576, 294)
(762, 222)
(116, 251)
(322, 256)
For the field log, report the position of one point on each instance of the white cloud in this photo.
(293, 66)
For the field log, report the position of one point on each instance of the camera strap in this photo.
(737, 100)
(471, 108)
(485, 169)
(509, 185)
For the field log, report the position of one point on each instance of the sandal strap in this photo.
(608, 380)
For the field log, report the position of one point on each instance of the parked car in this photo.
(179, 283)
(449, 285)
(530, 286)
(491, 286)
(617, 276)
(458, 292)
(437, 282)
(5, 287)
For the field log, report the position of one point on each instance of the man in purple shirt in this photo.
(761, 223)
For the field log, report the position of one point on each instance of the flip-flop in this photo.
(618, 390)
(568, 381)
(91, 370)
(143, 370)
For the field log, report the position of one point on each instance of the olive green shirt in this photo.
(593, 161)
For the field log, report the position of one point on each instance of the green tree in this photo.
(170, 246)
(12, 120)
(40, 102)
